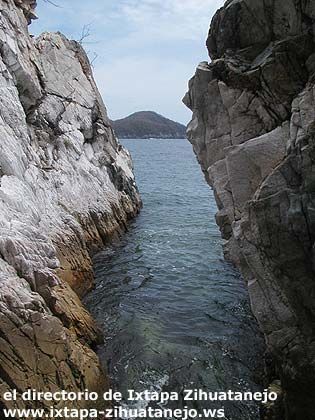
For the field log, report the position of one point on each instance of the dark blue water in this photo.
(174, 313)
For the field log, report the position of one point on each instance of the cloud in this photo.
(143, 84)
(171, 19)
(147, 49)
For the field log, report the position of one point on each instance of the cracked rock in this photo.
(60, 200)
(253, 133)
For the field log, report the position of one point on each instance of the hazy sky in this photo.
(147, 50)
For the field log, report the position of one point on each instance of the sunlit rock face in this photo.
(253, 131)
(66, 188)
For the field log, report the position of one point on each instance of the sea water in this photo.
(175, 315)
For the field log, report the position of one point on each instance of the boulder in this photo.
(253, 133)
(66, 189)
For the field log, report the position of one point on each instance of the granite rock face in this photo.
(66, 188)
(253, 131)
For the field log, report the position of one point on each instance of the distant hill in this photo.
(148, 124)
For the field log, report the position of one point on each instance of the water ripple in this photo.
(169, 304)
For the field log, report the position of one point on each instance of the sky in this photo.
(144, 51)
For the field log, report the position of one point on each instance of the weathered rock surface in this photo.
(253, 131)
(66, 188)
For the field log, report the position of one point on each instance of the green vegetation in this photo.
(147, 124)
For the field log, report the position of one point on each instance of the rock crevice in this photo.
(66, 188)
(253, 133)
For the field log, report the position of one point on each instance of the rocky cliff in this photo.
(253, 131)
(66, 187)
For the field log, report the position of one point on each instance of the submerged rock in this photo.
(66, 188)
(253, 133)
